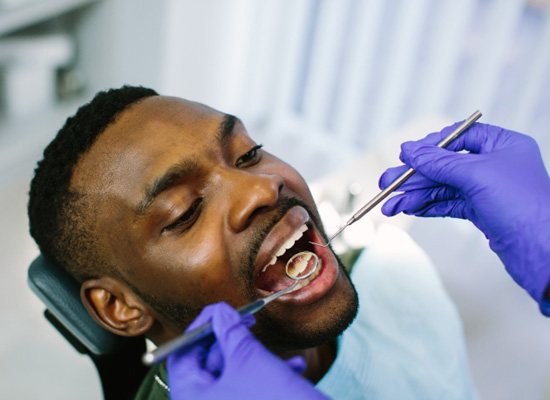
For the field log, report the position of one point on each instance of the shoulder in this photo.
(393, 256)
(395, 277)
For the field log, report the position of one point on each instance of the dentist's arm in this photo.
(234, 365)
(500, 184)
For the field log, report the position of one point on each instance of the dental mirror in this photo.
(299, 268)
(301, 265)
(381, 196)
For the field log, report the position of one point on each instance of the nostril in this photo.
(254, 194)
(258, 211)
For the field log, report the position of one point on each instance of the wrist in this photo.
(526, 255)
(544, 304)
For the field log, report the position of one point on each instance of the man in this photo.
(160, 206)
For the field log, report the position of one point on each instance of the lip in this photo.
(288, 225)
(322, 283)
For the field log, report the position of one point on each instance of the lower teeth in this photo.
(301, 265)
(308, 280)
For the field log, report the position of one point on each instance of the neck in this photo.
(319, 359)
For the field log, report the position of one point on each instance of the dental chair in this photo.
(116, 358)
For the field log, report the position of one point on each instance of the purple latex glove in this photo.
(235, 366)
(501, 185)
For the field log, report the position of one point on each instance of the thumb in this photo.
(184, 367)
(439, 165)
(297, 363)
(231, 332)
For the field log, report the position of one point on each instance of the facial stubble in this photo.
(272, 328)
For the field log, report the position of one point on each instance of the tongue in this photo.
(274, 278)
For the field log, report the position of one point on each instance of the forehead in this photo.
(143, 138)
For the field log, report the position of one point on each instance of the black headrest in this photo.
(61, 294)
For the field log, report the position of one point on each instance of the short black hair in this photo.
(56, 213)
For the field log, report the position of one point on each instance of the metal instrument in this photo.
(401, 179)
(203, 331)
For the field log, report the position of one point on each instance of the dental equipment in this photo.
(401, 179)
(300, 272)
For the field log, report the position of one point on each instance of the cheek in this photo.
(293, 180)
(118, 237)
(297, 184)
(197, 277)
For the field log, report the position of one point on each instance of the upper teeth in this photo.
(286, 245)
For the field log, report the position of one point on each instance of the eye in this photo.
(250, 158)
(187, 219)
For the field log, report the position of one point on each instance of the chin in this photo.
(320, 323)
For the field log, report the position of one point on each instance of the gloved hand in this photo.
(235, 366)
(501, 185)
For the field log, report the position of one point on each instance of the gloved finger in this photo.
(395, 205)
(188, 367)
(248, 320)
(197, 353)
(455, 208)
(211, 359)
(432, 139)
(389, 175)
(297, 363)
(224, 319)
(417, 181)
(411, 201)
(440, 165)
(478, 138)
(207, 354)
(214, 361)
(229, 328)
(204, 316)
(210, 310)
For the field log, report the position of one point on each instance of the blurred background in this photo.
(333, 87)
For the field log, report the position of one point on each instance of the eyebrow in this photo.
(179, 171)
(226, 127)
(167, 180)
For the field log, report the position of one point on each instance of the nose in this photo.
(249, 195)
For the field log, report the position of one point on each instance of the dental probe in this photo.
(205, 330)
(401, 179)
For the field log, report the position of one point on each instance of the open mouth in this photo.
(273, 277)
(290, 236)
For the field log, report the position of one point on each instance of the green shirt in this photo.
(154, 385)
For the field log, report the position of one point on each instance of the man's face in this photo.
(192, 210)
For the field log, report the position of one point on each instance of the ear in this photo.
(115, 307)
